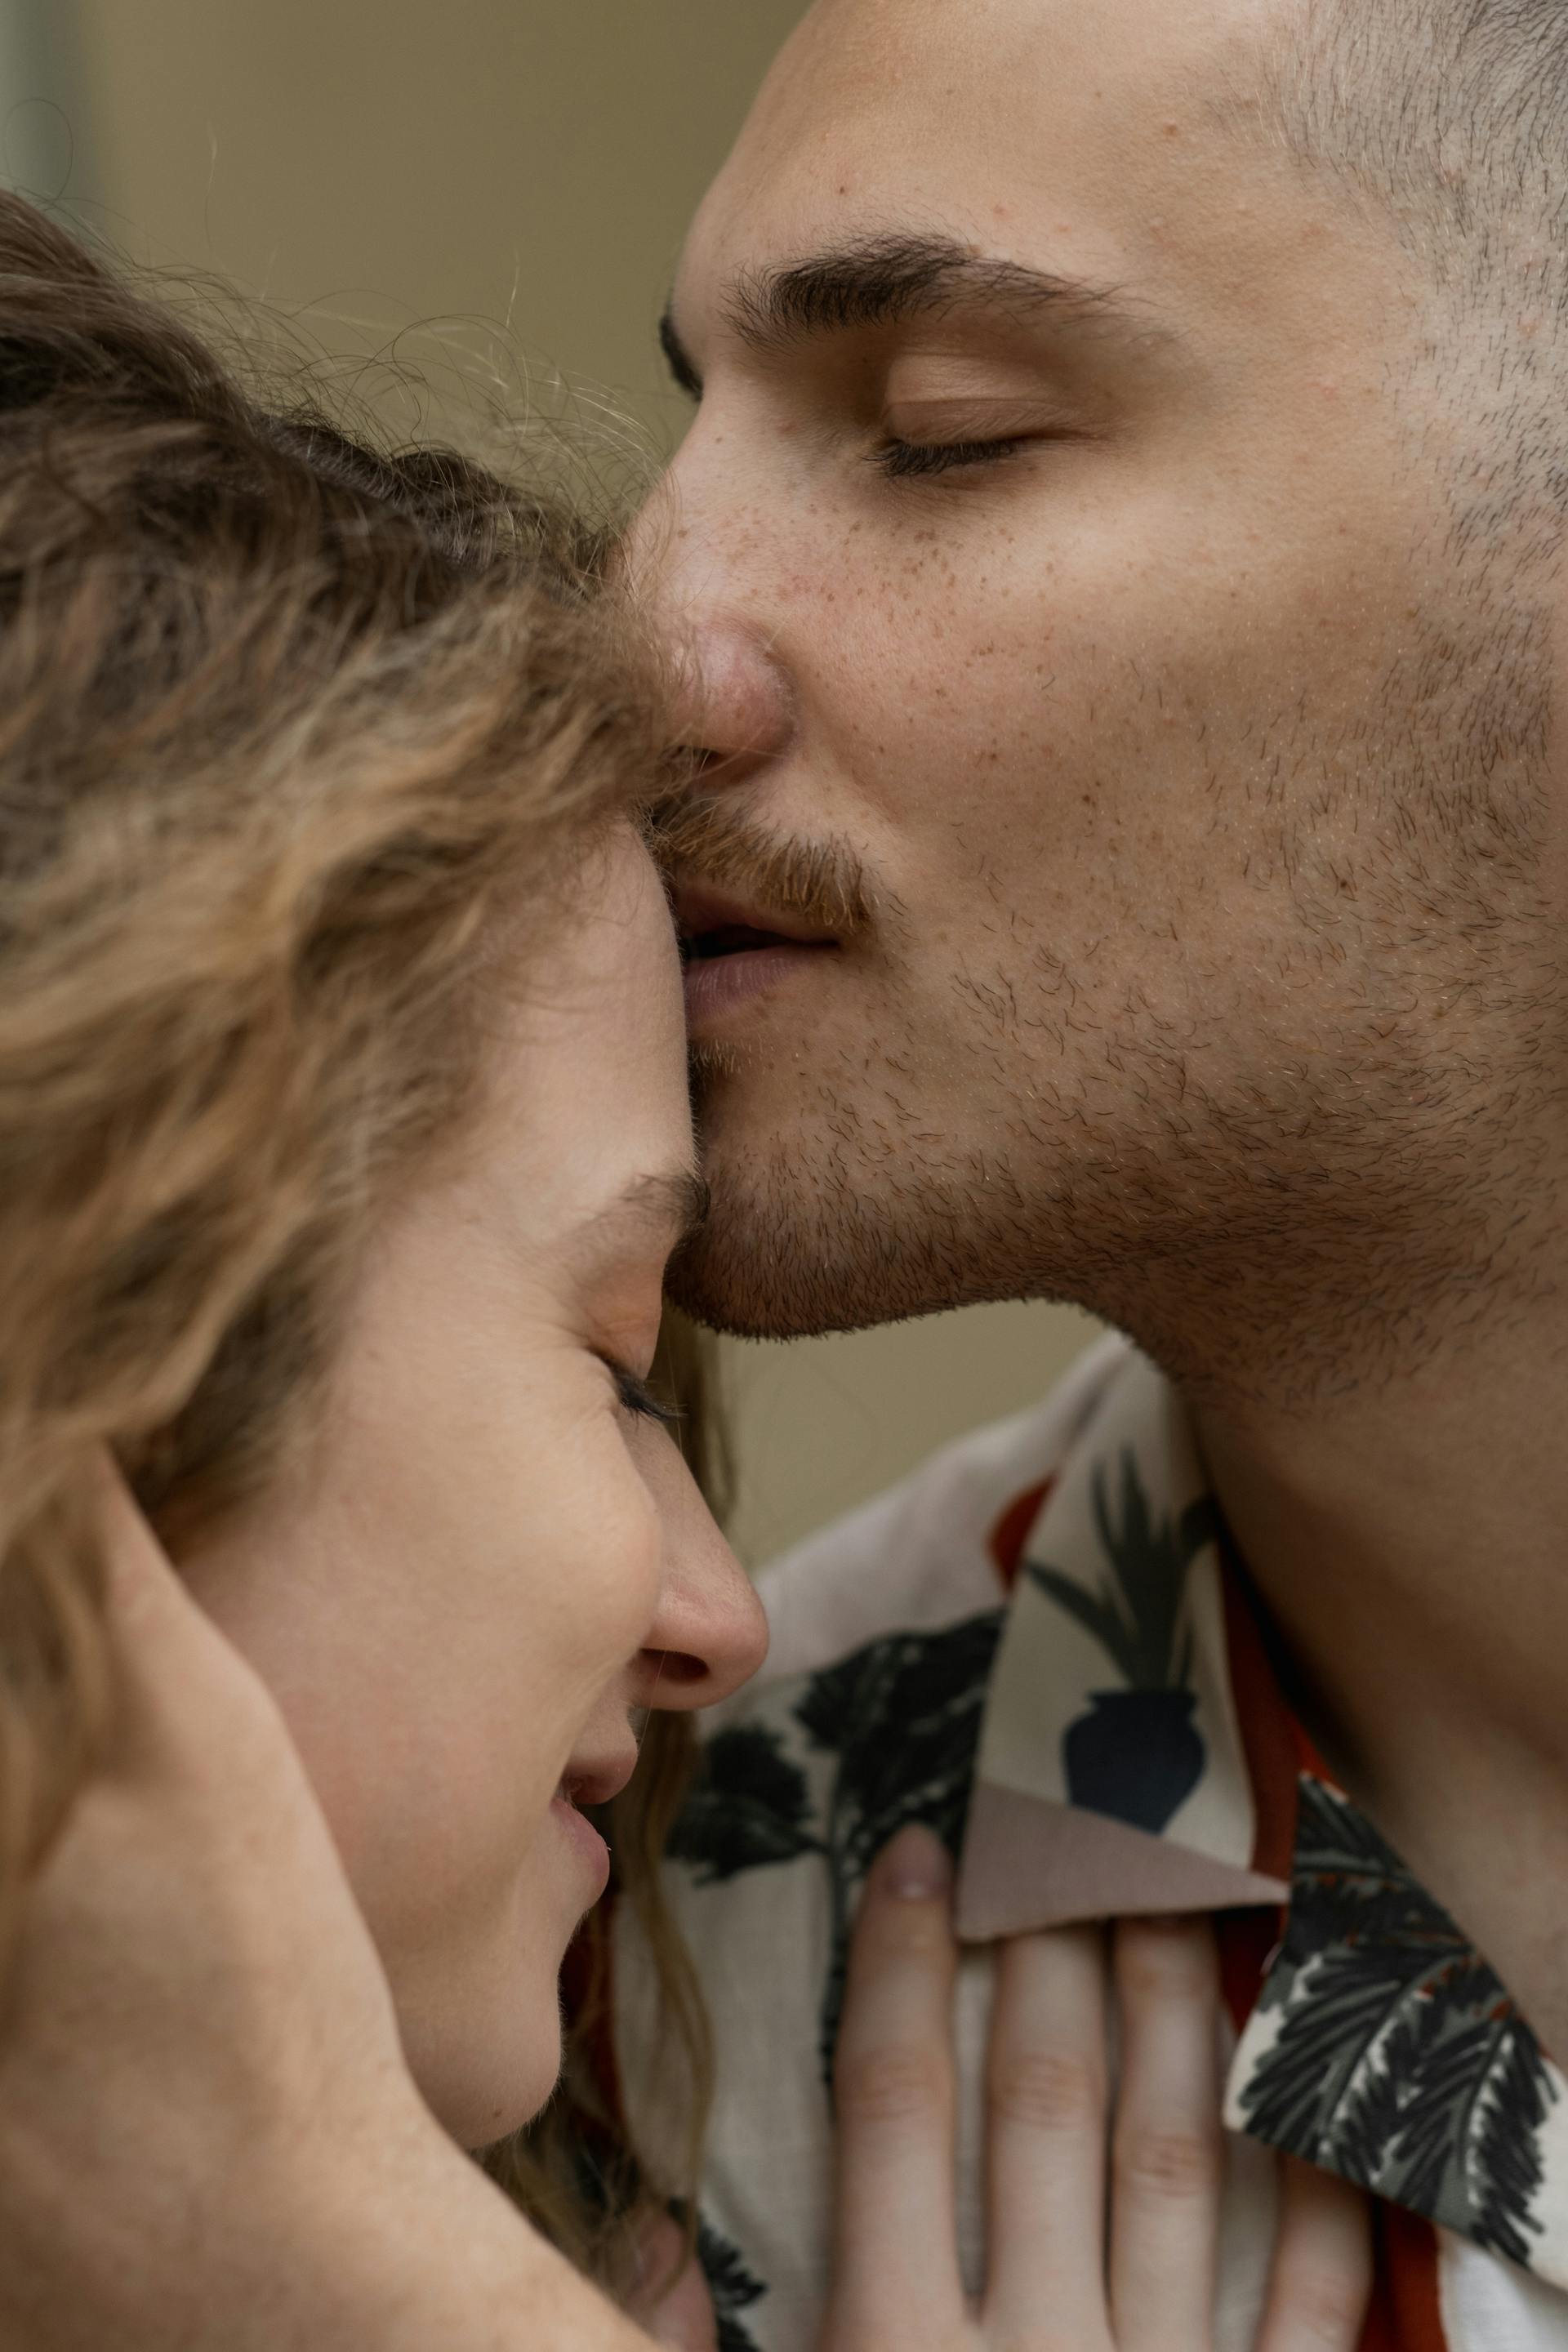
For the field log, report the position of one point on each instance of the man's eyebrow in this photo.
(880, 281)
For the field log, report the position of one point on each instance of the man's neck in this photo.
(1412, 1547)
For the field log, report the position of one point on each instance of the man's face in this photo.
(1065, 557)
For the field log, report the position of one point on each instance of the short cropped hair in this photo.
(1453, 111)
(1452, 116)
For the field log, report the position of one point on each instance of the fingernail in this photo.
(916, 1866)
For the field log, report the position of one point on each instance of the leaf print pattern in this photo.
(1398, 2062)
(748, 1806)
(900, 1721)
(731, 2286)
(1138, 1615)
(1135, 1754)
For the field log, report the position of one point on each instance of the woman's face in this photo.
(489, 1558)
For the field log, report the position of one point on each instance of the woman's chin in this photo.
(487, 2054)
(497, 2091)
(479, 2009)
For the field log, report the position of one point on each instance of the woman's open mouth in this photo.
(587, 1843)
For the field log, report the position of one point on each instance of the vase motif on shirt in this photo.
(1137, 1754)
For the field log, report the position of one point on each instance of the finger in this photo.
(1046, 2119)
(669, 2297)
(1320, 2282)
(896, 2272)
(1167, 2147)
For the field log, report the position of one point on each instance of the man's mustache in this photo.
(705, 837)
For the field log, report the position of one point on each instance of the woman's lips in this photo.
(592, 1779)
(718, 985)
(587, 1843)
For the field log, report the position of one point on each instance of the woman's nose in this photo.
(709, 1635)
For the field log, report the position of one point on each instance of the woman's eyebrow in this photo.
(669, 1206)
(879, 281)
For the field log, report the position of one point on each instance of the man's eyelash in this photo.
(902, 461)
(637, 1398)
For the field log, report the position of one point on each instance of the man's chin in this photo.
(754, 1274)
(816, 1227)
(749, 1296)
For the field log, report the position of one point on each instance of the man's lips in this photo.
(714, 922)
(719, 986)
(736, 951)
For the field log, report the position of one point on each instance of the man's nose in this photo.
(733, 705)
(704, 573)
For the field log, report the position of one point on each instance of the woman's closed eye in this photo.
(636, 1396)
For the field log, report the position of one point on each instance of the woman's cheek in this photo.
(620, 1557)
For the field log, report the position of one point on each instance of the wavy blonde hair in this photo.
(291, 729)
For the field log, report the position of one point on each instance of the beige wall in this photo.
(380, 163)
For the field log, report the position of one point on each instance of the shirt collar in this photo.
(1113, 1772)
(1137, 1756)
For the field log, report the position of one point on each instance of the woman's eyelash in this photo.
(901, 460)
(637, 1398)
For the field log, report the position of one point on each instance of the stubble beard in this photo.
(1269, 1224)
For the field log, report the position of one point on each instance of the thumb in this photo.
(180, 1684)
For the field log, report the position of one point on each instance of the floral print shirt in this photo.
(1041, 1646)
